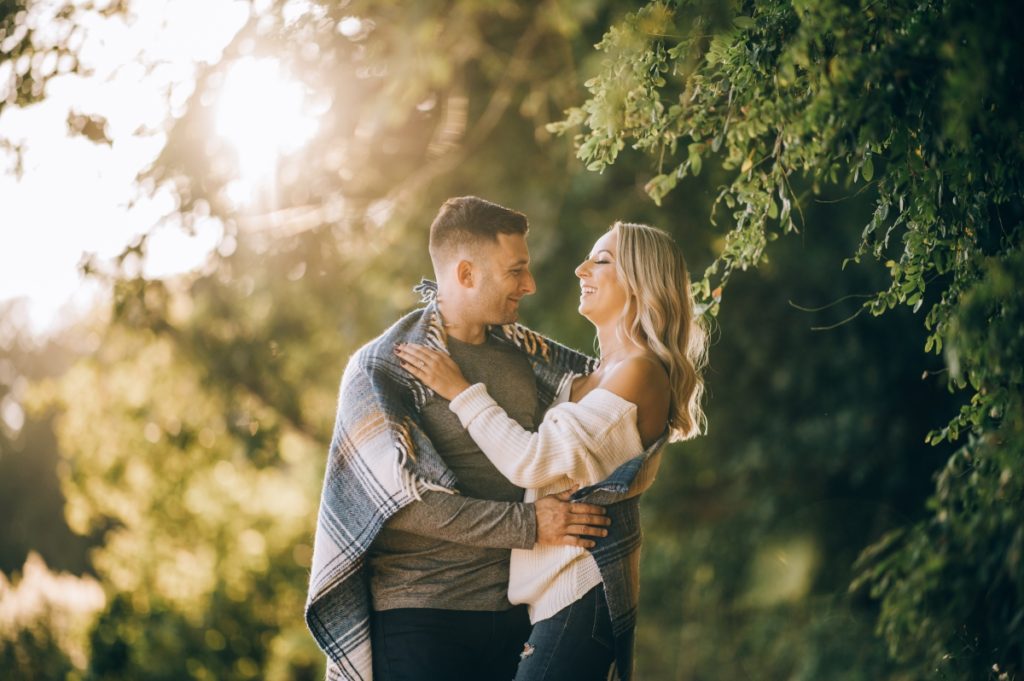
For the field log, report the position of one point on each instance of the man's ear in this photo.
(464, 273)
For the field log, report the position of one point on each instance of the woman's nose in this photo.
(581, 269)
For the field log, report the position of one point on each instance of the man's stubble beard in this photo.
(499, 312)
(503, 319)
(511, 316)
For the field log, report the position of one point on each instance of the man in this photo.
(438, 562)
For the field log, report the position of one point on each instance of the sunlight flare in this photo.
(262, 112)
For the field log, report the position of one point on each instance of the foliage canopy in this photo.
(917, 104)
(887, 134)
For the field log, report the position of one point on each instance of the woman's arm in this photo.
(584, 440)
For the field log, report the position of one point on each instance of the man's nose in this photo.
(528, 285)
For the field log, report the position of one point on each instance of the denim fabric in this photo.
(428, 644)
(575, 644)
(380, 460)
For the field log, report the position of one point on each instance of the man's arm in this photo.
(550, 521)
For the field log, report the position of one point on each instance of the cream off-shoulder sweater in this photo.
(577, 442)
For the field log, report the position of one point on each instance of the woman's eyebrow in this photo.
(608, 253)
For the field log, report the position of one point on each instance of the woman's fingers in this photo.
(414, 360)
(411, 364)
(411, 352)
(417, 355)
(425, 364)
(433, 368)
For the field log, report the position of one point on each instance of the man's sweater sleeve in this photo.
(584, 440)
(469, 521)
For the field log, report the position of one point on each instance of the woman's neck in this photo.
(614, 347)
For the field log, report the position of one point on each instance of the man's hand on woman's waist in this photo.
(561, 522)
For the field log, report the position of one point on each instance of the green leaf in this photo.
(786, 207)
(868, 169)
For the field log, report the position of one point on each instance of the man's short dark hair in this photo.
(470, 220)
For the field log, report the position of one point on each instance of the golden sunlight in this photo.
(263, 112)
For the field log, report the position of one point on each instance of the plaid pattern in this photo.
(380, 460)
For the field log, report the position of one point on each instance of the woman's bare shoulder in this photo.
(637, 378)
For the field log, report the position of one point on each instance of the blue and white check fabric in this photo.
(380, 459)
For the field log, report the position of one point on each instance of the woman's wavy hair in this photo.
(653, 273)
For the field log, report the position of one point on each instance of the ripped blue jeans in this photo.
(575, 644)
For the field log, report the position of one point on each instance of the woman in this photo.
(635, 290)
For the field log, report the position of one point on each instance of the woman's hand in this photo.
(433, 369)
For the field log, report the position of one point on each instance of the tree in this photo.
(39, 41)
(192, 437)
(917, 104)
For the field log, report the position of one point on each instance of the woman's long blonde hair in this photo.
(653, 273)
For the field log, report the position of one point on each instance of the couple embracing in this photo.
(479, 517)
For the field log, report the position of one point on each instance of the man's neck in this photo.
(473, 333)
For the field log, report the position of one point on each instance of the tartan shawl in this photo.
(380, 459)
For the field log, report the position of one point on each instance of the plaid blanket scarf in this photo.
(380, 460)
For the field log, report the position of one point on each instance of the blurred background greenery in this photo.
(162, 448)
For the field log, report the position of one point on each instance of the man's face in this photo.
(503, 269)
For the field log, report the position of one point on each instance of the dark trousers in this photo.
(575, 644)
(427, 644)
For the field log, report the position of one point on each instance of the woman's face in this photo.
(602, 297)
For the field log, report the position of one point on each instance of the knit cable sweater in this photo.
(577, 442)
